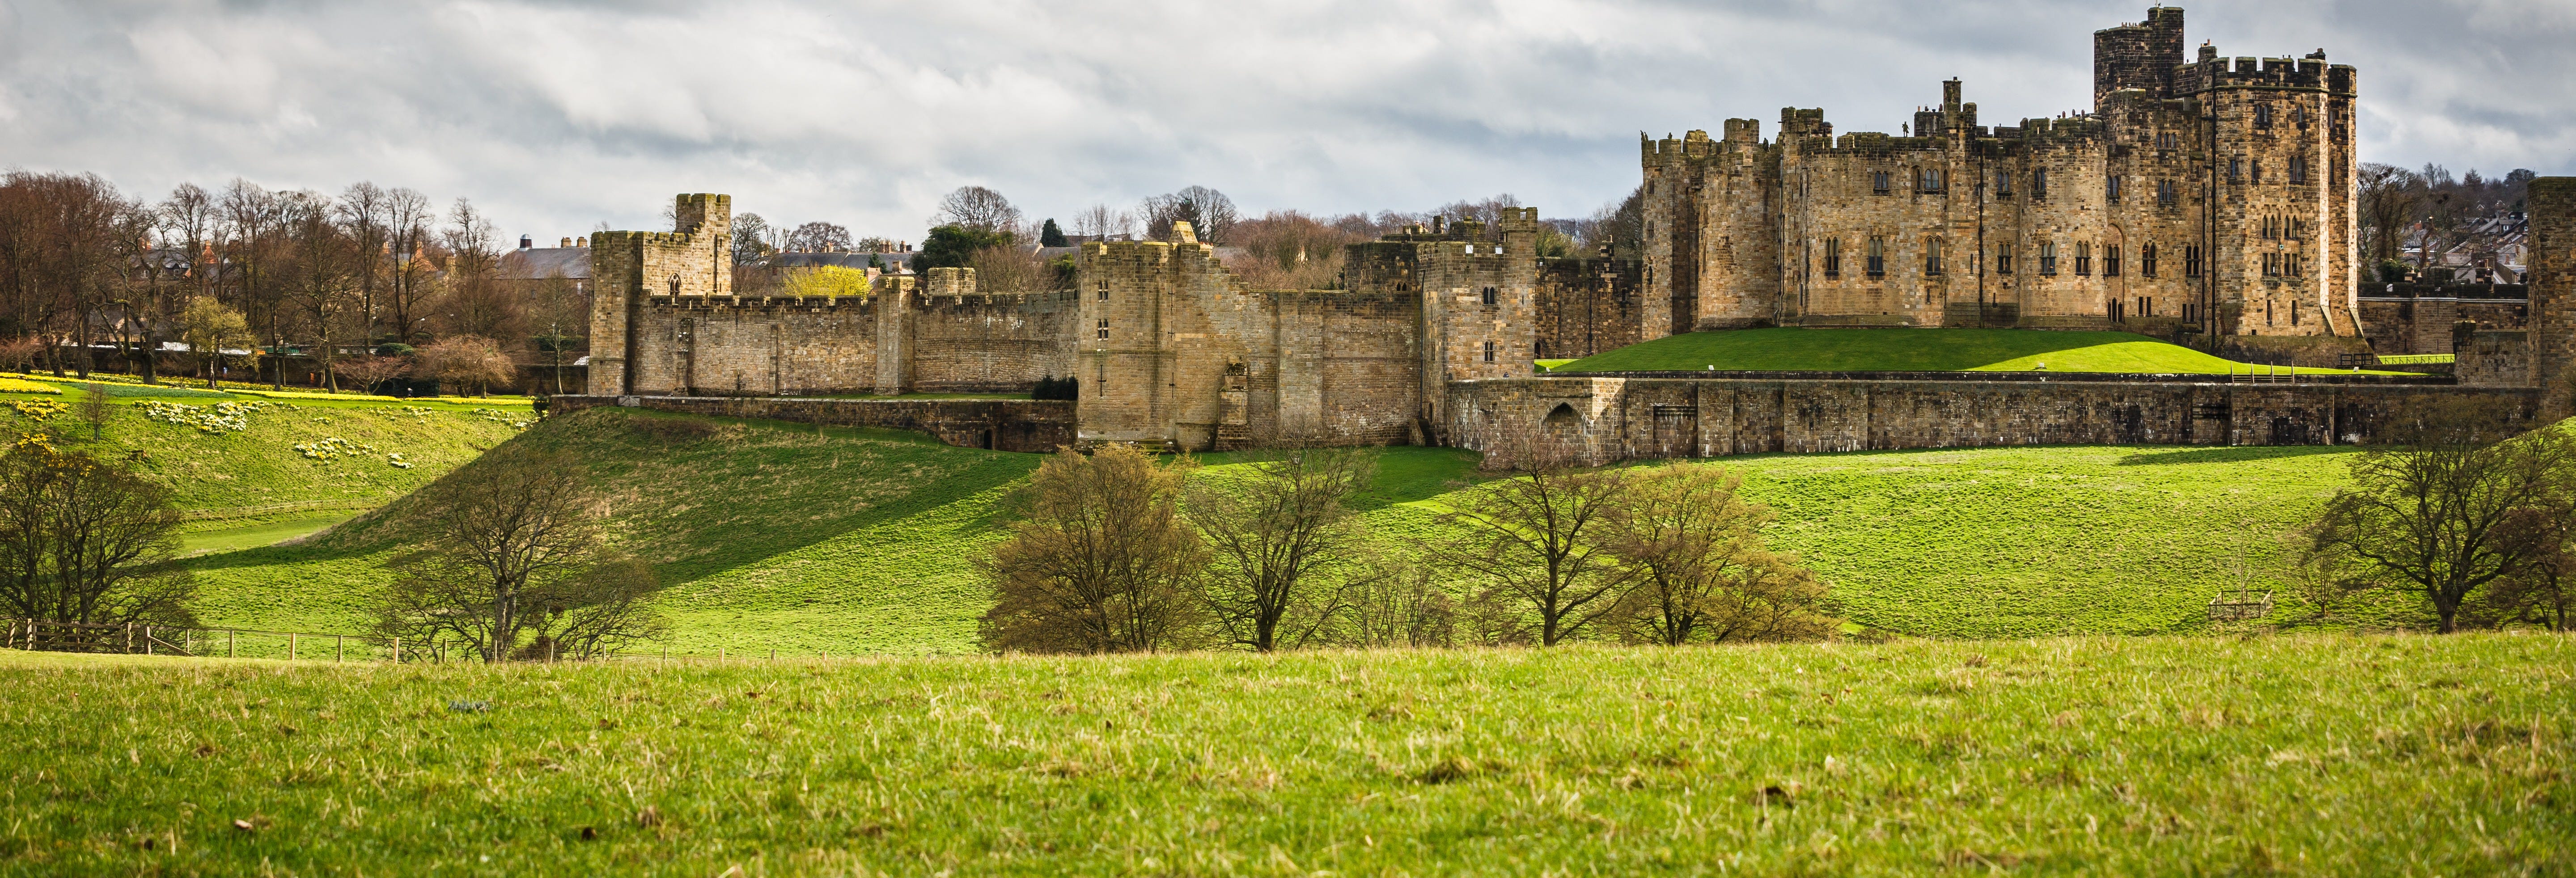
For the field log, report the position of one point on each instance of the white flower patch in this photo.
(510, 418)
(222, 417)
(332, 448)
(397, 460)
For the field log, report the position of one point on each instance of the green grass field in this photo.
(776, 535)
(2302, 755)
(1911, 350)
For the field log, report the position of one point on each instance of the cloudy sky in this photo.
(559, 115)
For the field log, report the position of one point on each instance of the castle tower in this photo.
(629, 268)
(2141, 55)
(2553, 294)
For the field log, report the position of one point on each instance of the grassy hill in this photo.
(775, 535)
(1908, 350)
(2306, 755)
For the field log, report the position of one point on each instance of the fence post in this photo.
(290, 646)
(147, 640)
(129, 638)
(232, 642)
(336, 651)
(550, 651)
(397, 650)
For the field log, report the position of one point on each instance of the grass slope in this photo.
(2322, 755)
(1908, 350)
(259, 466)
(775, 535)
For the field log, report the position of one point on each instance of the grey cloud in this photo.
(557, 114)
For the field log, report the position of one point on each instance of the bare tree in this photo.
(322, 274)
(1278, 527)
(2388, 196)
(753, 239)
(978, 208)
(87, 541)
(1100, 221)
(1210, 214)
(1531, 538)
(1100, 560)
(513, 564)
(2435, 512)
(464, 361)
(1619, 226)
(408, 218)
(1289, 250)
(1396, 604)
(818, 237)
(364, 211)
(1693, 547)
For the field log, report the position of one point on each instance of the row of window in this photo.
(1874, 256)
(1929, 180)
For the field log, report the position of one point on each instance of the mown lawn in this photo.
(775, 535)
(1910, 350)
(2304, 755)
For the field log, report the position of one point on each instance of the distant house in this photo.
(532, 263)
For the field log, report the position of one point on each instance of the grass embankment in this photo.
(240, 486)
(781, 535)
(1914, 350)
(2312, 755)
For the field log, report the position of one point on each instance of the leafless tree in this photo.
(1289, 250)
(1100, 221)
(365, 211)
(1619, 226)
(408, 221)
(818, 237)
(1531, 538)
(2437, 511)
(1281, 530)
(465, 361)
(513, 564)
(322, 274)
(978, 208)
(1099, 561)
(1694, 548)
(1395, 603)
(88, 541)
(1210, 214)
(2388, 196)
(753, 239)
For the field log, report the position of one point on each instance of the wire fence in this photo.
(41, 635)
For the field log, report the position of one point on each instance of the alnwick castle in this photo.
(2205, 199)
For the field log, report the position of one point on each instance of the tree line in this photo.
(91, 278)
(1118, 551)
(2431, 206)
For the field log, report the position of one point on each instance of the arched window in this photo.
(1932, 256)
(1833, 258)
(2048, 258)
(2083, 257)
(2147, 260)
(1877, 256)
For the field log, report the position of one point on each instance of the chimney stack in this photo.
(567, 242)
(527, 242)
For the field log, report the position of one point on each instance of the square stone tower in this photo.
(2553, 293)
(627, 268)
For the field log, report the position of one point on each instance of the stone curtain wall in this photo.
(1588, 305)
(1613, 419)
(2428, 323)
(996, 424)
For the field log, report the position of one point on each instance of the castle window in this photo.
(2271, 265)
(2235, 170)
(1932, 257)
(1104, 330)
(2165, 192)
(1877, 256)
(1489, 295)
(1878, 182)
(1833, 258)
(2262, 115)
(2111, 188)
(2110, 260)
(2048, 258)
(2147, 260)
(2039, 183)
(2299, 116)
(2294, 312)
(2165, 140)
(2298, 170)
(2191, 260)
(1927, 179)
(1489, 352)
(2003, 184)
(2112, 309)
(2083, 257)
(2003, 259)
(2298, 230)
(2254, 171)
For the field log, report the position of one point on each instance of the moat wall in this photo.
(996, 424)
(1609, 419)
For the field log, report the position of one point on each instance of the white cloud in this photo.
(557, 114)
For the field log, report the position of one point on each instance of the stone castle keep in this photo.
(2202, 196)
(2208, 192)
